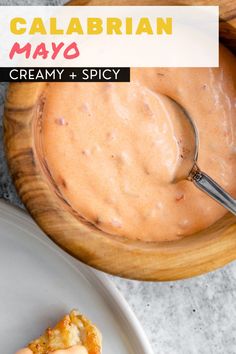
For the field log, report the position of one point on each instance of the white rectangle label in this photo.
(109, 36)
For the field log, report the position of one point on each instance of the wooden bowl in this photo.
(196, 254)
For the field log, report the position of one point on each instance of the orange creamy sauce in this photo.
(76, 349)
(114, 149)
(24, 351)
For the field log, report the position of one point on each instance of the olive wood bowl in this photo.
(196, 254)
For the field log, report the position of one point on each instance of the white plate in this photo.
(39, 283)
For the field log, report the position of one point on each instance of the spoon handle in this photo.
(209, 186)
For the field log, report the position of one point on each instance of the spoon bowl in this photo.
(189, 146)
(193, 172)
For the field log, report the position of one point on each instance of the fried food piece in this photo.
(73, 330)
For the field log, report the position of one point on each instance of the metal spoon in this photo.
(201, 179)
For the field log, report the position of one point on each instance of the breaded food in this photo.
(74, 329)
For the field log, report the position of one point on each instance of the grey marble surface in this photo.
(196, 316)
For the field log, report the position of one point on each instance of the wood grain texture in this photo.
(194, 255)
